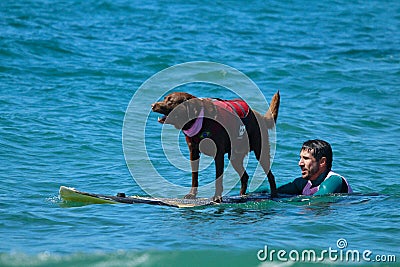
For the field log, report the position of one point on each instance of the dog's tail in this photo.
(272, 113)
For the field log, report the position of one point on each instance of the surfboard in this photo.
(70, 194)
(73, 197)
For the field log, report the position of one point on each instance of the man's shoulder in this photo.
(346, 188)
(333, 174)
(334, 183)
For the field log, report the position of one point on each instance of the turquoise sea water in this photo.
(68, 70)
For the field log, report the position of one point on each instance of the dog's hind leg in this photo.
(262, 156)
(271, 179)
(237, 164)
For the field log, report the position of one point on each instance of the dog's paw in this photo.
(190, 196)
(217, 199)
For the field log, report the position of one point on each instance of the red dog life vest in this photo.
(238, 106)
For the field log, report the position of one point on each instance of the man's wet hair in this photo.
(318, 149)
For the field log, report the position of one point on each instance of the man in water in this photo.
(316, 175)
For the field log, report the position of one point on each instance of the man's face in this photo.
(310, 167)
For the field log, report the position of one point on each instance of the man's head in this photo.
(315, 159)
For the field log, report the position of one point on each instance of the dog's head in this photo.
(179, 109)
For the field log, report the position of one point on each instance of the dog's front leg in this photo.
(194, 163)
(219, 173)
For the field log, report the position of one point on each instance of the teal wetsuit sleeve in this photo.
(331, 185)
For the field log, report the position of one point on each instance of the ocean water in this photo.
(68, 71)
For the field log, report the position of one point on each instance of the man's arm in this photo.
(293, 188)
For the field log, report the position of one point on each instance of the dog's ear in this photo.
(210, 109)
(183, 97)
(193, 107)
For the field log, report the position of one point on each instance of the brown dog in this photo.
(216, 127)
